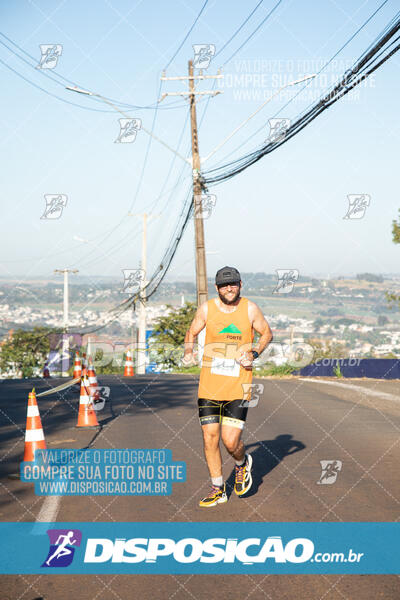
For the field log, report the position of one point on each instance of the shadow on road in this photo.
(266, 454)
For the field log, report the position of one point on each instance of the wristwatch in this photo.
(255, 354)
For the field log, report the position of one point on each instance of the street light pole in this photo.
(141, 366)
(65, 340)
(142, 323)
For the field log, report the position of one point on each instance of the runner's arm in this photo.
(197, 325)
(260, 325)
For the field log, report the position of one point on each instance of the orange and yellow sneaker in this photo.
(217, 495)
(243, 479)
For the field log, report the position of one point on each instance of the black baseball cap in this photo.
(227, 275)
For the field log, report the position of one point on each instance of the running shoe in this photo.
(243, 479)
(217, 495)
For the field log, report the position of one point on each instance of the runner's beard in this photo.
(225, 301)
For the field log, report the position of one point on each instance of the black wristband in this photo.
(255, 354)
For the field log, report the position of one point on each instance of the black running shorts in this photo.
(226, 412)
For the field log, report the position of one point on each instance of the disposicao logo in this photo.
(62, 547)
(191, 550)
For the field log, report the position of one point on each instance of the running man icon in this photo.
(330, 471)
(61, 550)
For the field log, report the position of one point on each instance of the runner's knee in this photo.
(231, 443)
(211, 438)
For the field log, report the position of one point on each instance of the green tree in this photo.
(382, 320)
(393, 298)
(328, 350)
(169, 334)
(337, 371)
(396, 230)
(344, 321)
(25, 351)
(108, 364)
(318, 323)
(370, 277)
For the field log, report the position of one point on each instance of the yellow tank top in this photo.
(228, 335)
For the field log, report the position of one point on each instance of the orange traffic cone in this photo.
(46, 371)
(87, 415)
(34, 436)
(93, 384)
(77, 366)
(128, 371)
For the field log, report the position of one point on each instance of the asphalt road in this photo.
(295, 425)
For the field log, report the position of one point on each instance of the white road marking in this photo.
(356, 388)
(47, 514)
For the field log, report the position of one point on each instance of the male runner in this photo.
(225, 378)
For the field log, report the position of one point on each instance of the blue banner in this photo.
(99, 472)
(204, 548)
(378, 368)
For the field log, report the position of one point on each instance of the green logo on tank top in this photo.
(230, 329)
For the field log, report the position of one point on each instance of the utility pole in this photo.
(133, 332)
(65, 340)
(198, 186)
(201, 269)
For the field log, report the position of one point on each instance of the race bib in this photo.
(225, 366)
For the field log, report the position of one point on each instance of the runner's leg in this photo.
(210, 420)
(234, 415)
(233, 418)
(231, 438)
(212, 452)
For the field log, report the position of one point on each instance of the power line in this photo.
(162, 193)
(171, 250)
(338, 52)
(239, 29)
(387, 27)
(54, 73)
(170, 253)
(147, 151)
(129, 237)
(50, 93)
(152, 207)
(229, 41)
(186, 36)
(365, 67)
(360, 71)
(254, 31)
(222, 49)
(132, 235)
(160, 273)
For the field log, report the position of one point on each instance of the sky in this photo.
(286, 211)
